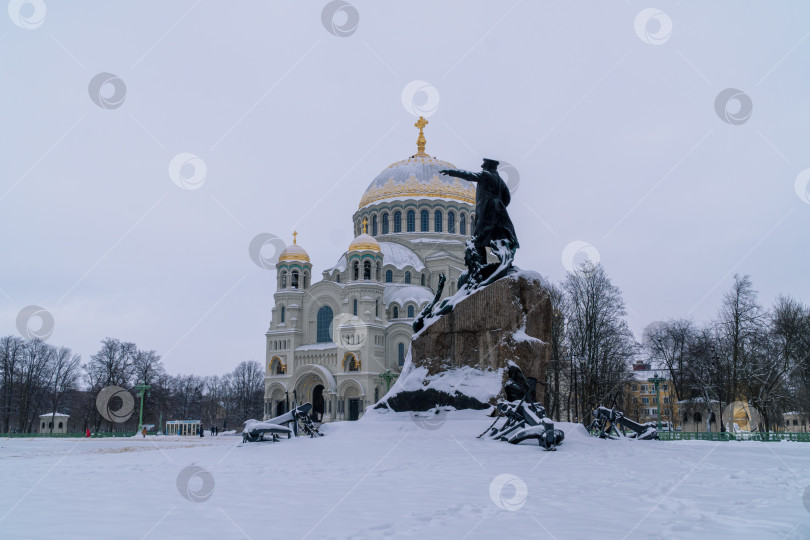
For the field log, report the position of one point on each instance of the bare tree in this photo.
(667, 344)
(64, 375)
(11, 353)
(601, 342)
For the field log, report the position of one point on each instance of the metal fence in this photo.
(728, 436)
(68, 435)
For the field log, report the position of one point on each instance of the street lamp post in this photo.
(656, 380)
(142, 388)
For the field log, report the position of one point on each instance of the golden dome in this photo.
(418, 177)
(294, 252)
(365, 242)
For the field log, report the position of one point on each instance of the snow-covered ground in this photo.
(389, 475)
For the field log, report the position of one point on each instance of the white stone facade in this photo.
(330, 341)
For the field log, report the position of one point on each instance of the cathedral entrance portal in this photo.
(354, 409)
(317, 402)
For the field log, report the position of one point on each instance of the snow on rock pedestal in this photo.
(460, 359)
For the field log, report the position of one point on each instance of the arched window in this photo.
(294, 279)
(354, 308)
(374, 225)
(396, 312)
(378, 272)
(451, 222)
(356, 270)
(282, 313)
(385, 223)
(284, 279)
(337, 278)
(352, 364)
(712, 419)
(697, 417)
(324, 332)
(437, 221)
(407, 277)
(410, 312)
(685, 418)
(425, 221)
(411, 221)
(60, 424)
(306, 279)
(376, 308)
(423, 280)
(50, 424)
(462, 224)
(367, 270)
(401, 354)
(389, 276)
(397, 221)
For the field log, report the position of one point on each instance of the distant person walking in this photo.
(202, 432)
(216, 430)
(212, 431)
(88, 433)
(143, 432)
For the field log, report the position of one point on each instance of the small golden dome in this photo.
(294, 252)
(365, 242)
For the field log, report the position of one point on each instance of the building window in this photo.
(376, 308)
(294, 279)
(354, 307)
(425, 219)
(397, 221)
(410, 312)
(666, 400)
(324, 332)
(697, 417)
(377, 273)
(407, 277)
(401, 354)
(634, 387)
(282, 313)
(337, 278)
(367, 270)
(389, 276)
(437, 221)
(451, 222)
(60, 425)
(284, 280)
(385, 223)
(356, 270)
(423, 280)
(411, 221)
(396, 312)
(462, 224)
(645, 400)
(374, 225)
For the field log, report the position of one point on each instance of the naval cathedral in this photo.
(331, 341)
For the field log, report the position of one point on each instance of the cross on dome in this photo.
(295, 238)
(420, 142)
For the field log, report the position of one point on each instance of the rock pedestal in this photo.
(508, 320)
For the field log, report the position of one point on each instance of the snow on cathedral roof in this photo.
(402, 293)
(396, 255)
(418, 177)
(401, 256)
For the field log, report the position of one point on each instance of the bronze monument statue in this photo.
(493, 229)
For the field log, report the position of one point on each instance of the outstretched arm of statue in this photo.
(458, 173)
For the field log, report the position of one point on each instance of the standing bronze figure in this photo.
(493, 227)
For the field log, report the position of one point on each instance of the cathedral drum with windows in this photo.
(331, 340)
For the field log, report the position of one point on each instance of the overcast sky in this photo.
(609, 113)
